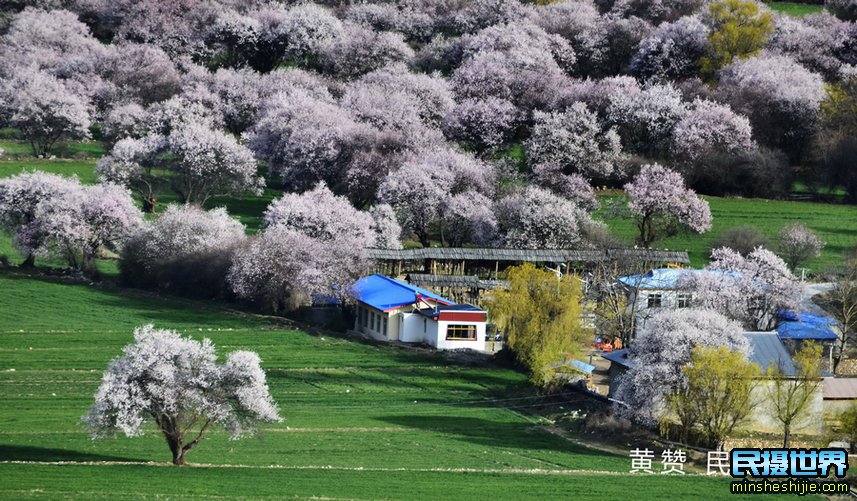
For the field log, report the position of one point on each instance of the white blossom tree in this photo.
(43, 109)
(177, 384)
(574, 141)
(535, 218)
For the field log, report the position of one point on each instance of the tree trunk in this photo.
(149, 204)
(787, 436)
(29, 261)
(177, 449)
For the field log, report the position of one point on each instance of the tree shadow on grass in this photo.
(42, 454)
(491, 433)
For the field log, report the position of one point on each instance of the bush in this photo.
(187, 251)
(742, 239)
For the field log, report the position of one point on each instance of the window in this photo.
(654, 300)
(461, 332)
(425, 325)
(376, 320)
(362, 317)
(684, 300)
(384, 327)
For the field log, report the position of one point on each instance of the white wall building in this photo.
(392, 310)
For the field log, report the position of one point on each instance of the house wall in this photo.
(370, 321)
(762, 417)
(442, 343)
(669, 301)
(411, 328)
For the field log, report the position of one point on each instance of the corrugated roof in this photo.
(838, 388)
(807, 326)
(767, 350)
(529, 255)
(386, 293)
(461, 281)
(661, 278)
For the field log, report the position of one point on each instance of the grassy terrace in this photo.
(795, 9)
(361, 421)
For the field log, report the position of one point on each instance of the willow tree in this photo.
(741, 30)
(541, 315)
(716, 394)
(792, 397)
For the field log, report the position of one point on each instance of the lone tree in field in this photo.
(177, 383)
(792, 398)
(798, 244)
(662, 206)
(540, 314)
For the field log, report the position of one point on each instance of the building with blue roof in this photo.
(393, 310)
(767, 350)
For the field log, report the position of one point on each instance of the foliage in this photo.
(469, 218)
(740, 30)
(540, 314)
(717, 393)
(792, 398)
(177, 383)
(798, 244)
(710, 129)
(750, 289)
(661, 205)
(662, 348)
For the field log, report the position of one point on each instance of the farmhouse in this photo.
(392, 310)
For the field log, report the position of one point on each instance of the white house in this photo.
(654, 291)
(392, 310)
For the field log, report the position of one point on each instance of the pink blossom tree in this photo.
(661, 205)
(360, 50)
(43, 109)
(750, 289)
(711, 129)
(302, 138)
(843, 9)
(79, 222)
(780, 97)
(482, 123)
(177, 384)
(468, 218)
(321, 215)
(798, 244)
(20, 197)
(207, 162)
(283, 269)
(672, 51)
(420, 188)
(140, 73)
(645, 120)
(388, 232)
(659, 352)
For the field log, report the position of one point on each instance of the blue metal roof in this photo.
(806, 326)
(385, 293)
(618, 357)
(662, 278)
(767, 350)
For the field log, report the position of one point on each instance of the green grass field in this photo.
(360, 421)
(835, 224)
(795, 9)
